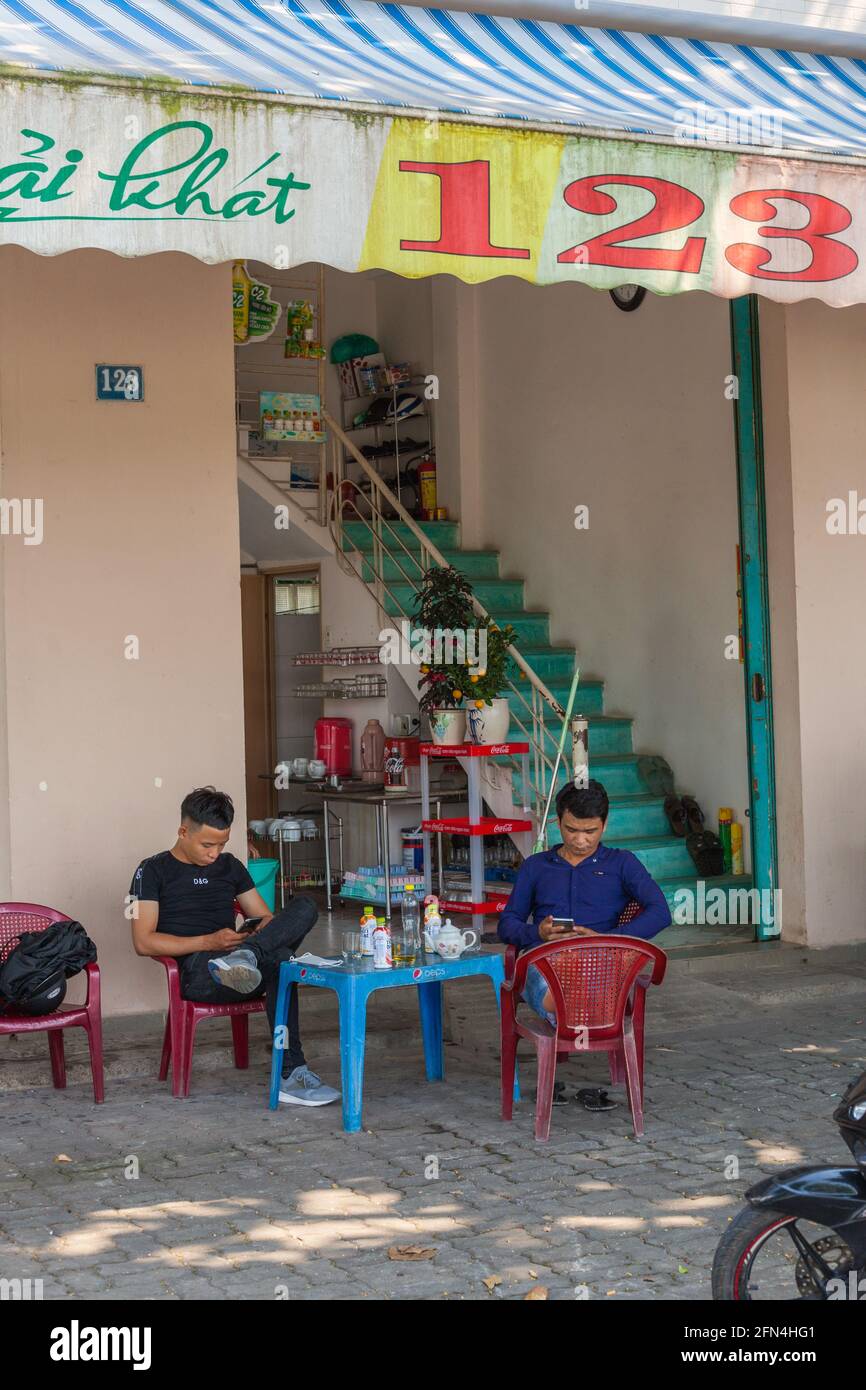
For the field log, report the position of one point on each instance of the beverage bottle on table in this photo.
(382, 959)
(432, 921)
(411, 911)
(368, 926)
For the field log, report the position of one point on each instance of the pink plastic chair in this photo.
(16, 918)
(184, 1016)
(599, 989)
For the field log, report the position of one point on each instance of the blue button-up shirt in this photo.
(592, 894)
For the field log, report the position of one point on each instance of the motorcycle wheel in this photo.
(787, 1276)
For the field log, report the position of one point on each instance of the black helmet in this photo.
(48, 996)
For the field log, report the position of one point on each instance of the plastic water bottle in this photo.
(411, 911)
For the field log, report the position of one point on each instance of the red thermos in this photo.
(334, 744)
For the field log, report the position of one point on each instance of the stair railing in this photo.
(373, 495)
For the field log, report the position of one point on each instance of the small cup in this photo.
(404, 948)
(317, 768)
(351, 946)
(299, 767)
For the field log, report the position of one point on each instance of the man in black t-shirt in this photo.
(185, 900)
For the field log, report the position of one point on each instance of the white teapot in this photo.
(448, 942)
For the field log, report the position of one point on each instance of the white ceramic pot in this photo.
(490, 723)
(447, 725)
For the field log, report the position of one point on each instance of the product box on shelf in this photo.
(291, 415)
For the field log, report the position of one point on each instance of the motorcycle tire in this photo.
(741, 1239)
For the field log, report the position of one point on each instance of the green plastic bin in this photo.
(264, 875)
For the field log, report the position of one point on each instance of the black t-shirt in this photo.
(193, 900)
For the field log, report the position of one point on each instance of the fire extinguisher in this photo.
(427, 487)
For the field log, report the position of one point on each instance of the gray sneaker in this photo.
(238, 971)
(303, 1087)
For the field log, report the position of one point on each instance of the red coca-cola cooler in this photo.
(334, 744)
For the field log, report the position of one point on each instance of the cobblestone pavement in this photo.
(214, 1197)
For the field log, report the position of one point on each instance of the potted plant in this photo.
(443, 605)
(488, 712)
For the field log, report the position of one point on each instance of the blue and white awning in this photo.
(479, 66)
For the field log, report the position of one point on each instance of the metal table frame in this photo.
(380, 801)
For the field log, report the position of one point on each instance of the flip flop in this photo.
(676, 814)
(694, 814)
(596, 1098)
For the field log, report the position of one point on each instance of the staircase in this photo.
(636, 784)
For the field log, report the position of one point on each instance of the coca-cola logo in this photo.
(499, 748)
(502, 827)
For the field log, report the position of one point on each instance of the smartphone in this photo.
(564, 922)
(247, 925)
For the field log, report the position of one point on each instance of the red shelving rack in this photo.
(475, 826)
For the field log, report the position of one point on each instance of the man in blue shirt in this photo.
(582, 881)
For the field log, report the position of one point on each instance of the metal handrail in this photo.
(388, 542)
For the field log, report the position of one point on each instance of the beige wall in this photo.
(819, 662)
(626, 414)
(141, 538)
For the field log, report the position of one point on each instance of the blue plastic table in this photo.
(353, 983)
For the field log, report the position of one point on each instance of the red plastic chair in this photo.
(16, 918)
(184, 1016)
(599, 989)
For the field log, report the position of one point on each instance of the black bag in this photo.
(33, 976)
(707, 854)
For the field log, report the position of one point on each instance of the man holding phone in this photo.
(184, 907)
(578, 888)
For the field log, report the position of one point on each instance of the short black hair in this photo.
(584, 803)
(207, 806)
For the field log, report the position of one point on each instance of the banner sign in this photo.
(135, 170)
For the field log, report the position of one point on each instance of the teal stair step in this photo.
(589, 698)
(546, 661)
(445, 535)
(663, 856)
(475, 564)
(629, 815)
(636, 816)
(693, 905)
(607, 734)
(506, 594)
(619, 773)
(529, 628)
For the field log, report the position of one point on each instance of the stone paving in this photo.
(216, 1197)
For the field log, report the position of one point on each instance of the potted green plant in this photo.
(488, 712)
(443, 606)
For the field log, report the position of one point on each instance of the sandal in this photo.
(676, 814)
(596, 1098)
(694, 813)
(707, 854)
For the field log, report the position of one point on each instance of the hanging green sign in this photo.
(254, 313)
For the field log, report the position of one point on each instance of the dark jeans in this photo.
(276, 941)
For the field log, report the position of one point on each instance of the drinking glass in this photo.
(351, 946)
(404, 947)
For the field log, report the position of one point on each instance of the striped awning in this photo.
(474, 65)
(427, 142)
